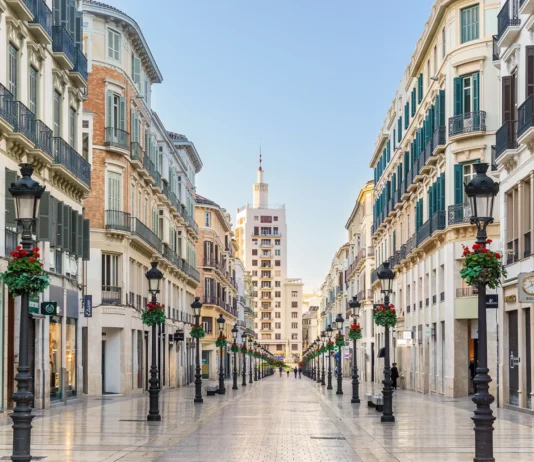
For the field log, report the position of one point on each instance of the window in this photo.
(254, 283)
(266, 219)
(294, 293)
(114, 193)
(277, 242)
(294, 325)
(57, 114)
(254, 262)
(277, 315)
(277, 283)
(13, 70)
(275, 218)
(116, 111)
(467, 94)
(72, 127)
(278, 325)
(294, 304)
(114, 45)
(207, 220)
(277, 252)
(469, 23)
(278, 337)
(254, 251)
(294, 337)
(294, 347)
(110, 276)
(256, 218)
(266, 325)
(255, 273)
(278, 294)
(278, 305)
(275, 231)
(132, 199)
(136, 71)
(277, 263)
(279, 347)
(294, 315)
(32, 93)
(443, 43)
(435, 60)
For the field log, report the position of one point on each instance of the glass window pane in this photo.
(70, 367)
(55, 357)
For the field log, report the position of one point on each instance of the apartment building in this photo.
(310, 326)
(513, 57)
(261, 234)
(141, 210)
(361, 264)
(218, 287)
(440, 123)
(43, 83)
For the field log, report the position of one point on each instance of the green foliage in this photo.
(153, 316)
(235, 348)
(221, 341)
(340, 340)
(197, 331)
(482, 267)
(385, 317)
(24, 274)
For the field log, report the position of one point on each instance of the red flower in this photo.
(35, 249)
(19, 247)
(484, 250)
(498, 255)
(13, 254)
(24, 253)
(393, 309)
(476, 246)
(32, 259)
(488, 241)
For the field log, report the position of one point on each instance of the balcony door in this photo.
(509, 98)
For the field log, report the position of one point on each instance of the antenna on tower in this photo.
(260, 159)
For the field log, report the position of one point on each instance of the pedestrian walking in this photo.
(295, 371)
(287, 372)
(300, 372)
(394, 375)
(280, 370)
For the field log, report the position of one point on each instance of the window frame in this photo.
(13, 69)
(115, 37)
(467, 34)
(33, 90)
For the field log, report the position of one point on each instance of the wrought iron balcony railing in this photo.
(67, 156)
(439, 221)
(62, 42)
(508, 16)
(506, 137)
(424, 232)
(25, 122)
(6, 105)
(146, 234)
(117, 138)
(116, 219)
(459, 213)
(80, 63)
(495, 51)
(467, 123)
(111, 295)
(525, 116)
(42, 15)
(44, 138)
(136, 152)
(170, 255)
(439, 137)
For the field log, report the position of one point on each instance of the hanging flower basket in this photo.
(25, 274)
(482, 267)
(330, 346)
(235, 348)
(221, 341)
(244, 349)
(154, 314)
(355, 332)
(383, 316)
(340, 340)
(197, 331)
(323, 350)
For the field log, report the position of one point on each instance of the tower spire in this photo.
(260, 169)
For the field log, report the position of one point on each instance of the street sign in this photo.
(179, 336)
(34, 305)
(88, 306)
(49, 308)
(492, 301)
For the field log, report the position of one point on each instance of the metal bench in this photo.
(369, 398)
(212, 390)
(378, 401)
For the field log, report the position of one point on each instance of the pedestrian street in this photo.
(277, 419)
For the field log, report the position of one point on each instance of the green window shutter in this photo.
(79, 235)
(73, 232)
(458, 184)
(442, 177)
(476, 92)
(413, 102)
(11, 221)
(406, 115)
(66, 227)
(441, 115)
(132, 126)
(59, 226)
(406, 164)
(86, 240)
(394, 241)
(420, 88)
(436, 111)
(44, 217)
(53, 221)
(109, 109)
(122, 113)
(458, 91)
(399, 130)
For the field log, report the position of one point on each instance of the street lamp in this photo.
(244, 372)
(314, 362)
(318, 346)
(355, 306)
(234, 338)
(197, 307)
(27, 194)
(329, 332)
(220, 322)
(386, 276)
(250, 341)
(481, 192)
(154, 276)
(339, 324)
(323, 337)
(255, 362)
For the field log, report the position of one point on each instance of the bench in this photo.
(212, 390)
(369, 398)
(378, 401)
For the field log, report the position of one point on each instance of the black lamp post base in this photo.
(355, 400)
(199, 400)
(483, 459)
(153, 418)
(339, 392)
(221, 392)
(387, 418)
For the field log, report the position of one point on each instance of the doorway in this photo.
(205, 364)
(513, 348)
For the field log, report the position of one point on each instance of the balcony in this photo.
(67, 157)
(111, 295)
(496, 52)
(145, 234)
(462, 292)
(190, 271)
(526, 6)
(63, 47)
(136, 154)
(117, 220)
(439, 139)
(23, 8)
(44, 138)
(508, 23)
(506, 141)
(468, 123)
(525, 121)
(117, 138)
(41, 24)
(170, 255)
(79, 73)
(424, 232)
(25, 124)
(7, 117)
(459, 214)
(439, 221)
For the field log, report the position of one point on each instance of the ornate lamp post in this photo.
(386, 276)
(329, 332)
(220, 322)
(481, 192)
(27, 195)
(339, 324)
(314, 362)
(355, 306)
(244, 372)
(235, 330)
(154, 276)
(255, 362)
(197, 307)
(318, 346)
(323, 337)
(250, 341)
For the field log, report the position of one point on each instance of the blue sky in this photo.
(309, 79)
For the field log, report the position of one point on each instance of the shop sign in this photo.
(526, 287)
(49, 308)
(179, 336)
(88, 306)
(492, 301)
(34, 304)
